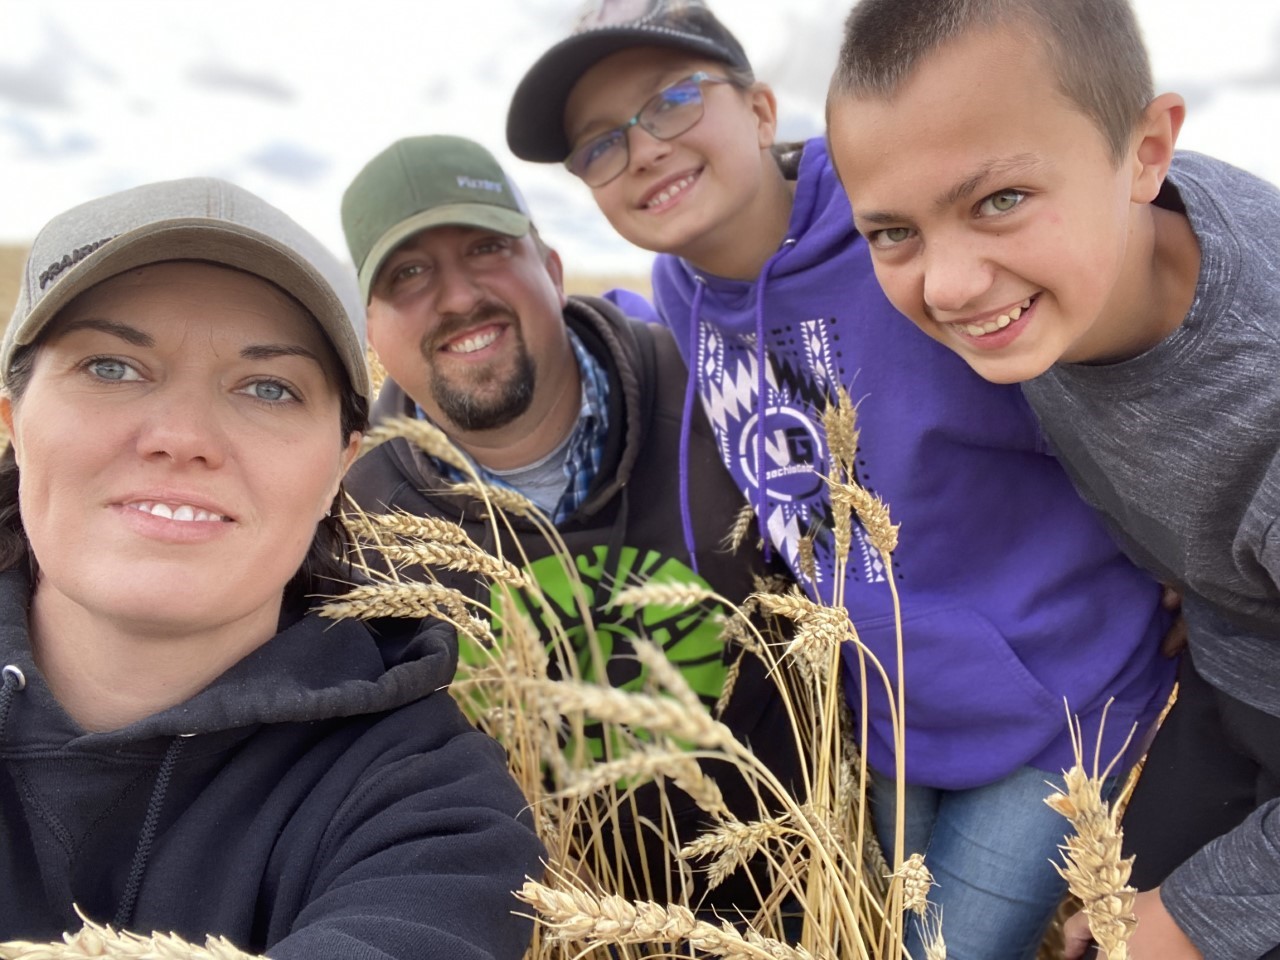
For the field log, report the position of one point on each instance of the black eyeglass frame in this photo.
(697, 79)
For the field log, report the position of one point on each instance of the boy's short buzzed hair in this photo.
(1095, 48)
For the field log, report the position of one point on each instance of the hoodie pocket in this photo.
(974, 713)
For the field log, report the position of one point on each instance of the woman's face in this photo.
(177, 443)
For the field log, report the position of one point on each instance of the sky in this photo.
(290, 99)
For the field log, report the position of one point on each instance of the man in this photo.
(563, 399)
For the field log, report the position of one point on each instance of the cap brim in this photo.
(480, 215)
(214, 241)
(535, 121)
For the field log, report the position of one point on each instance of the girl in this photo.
(1014, 598)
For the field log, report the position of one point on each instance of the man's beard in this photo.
(470, 409)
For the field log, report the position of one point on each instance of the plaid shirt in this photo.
(586, 443)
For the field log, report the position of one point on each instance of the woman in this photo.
(184, 747)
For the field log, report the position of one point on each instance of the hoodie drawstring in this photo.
(686, 420)
(762, 386)
(124, 913)
(14, 681)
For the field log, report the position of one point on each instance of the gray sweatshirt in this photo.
(1179, 448)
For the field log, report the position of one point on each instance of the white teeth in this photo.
(182, 512)
(472, 344)
(670, 191)
(999, 323)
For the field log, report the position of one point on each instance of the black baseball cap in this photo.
(535, 122)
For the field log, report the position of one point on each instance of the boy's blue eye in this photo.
(889, 237)
(1001, 202)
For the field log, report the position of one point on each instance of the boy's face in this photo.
(997, 219)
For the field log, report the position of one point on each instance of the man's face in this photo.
(997, 219)
(468, 322)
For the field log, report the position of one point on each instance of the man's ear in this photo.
(1154, 143)
(555, 270)
(765, 106)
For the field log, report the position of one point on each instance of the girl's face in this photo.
(692, 194)
(178, 442)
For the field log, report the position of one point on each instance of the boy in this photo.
(1017, 183)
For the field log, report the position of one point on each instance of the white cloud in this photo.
(291, 99)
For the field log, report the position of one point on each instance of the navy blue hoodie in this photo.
(324, 798)
(1014, 597)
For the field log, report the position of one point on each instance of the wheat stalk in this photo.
(916, 881)
(94, 940)
(409, 600)
(1093, 868)
(677, 765)
(663, 595)
(504, 498)
(422, 434)
(740, 529)
(577, 914)
(453, 556)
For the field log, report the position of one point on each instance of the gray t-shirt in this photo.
(1179, 448)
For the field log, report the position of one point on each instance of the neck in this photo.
(747, 240)
(108, 673)
(1164, 260)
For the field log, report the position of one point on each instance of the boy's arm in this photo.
(1227, 896)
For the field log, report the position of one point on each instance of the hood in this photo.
(610, 337)
(313, 669)
(820, 229)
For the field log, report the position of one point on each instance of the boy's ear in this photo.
(1154, 142)
(765, 106)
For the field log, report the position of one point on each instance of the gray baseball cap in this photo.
(422, 182)
(195, 219)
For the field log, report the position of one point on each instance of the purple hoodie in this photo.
(1014, 598)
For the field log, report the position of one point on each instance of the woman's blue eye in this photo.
(270, 391)
(107, 368)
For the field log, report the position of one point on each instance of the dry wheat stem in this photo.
(411, 526)
(916, 881)
(740, 529)
(422, 434)
(669, 678)
(504, 498)
(94, 940)
(657, 714)
(577, 914)
(1093, 867)
(664, 595)
(409, 600)
(676, 765)
(455, 557)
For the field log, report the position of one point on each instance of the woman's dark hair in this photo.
(326, 566)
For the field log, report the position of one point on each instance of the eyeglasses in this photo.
(669, 113)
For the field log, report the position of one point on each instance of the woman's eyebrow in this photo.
(268, 351)
(130, 335)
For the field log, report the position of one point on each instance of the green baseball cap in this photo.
(423, 182)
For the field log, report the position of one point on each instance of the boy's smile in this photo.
(997, 218)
